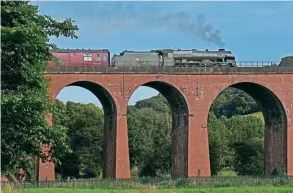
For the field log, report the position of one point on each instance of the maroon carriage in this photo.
(81, 57)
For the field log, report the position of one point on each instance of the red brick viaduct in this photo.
(190, 93)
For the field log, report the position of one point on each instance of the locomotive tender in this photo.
(163, 57)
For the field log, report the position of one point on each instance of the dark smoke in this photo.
(122, 17)
(196, 28)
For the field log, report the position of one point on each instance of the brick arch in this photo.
(199, 91)
(58, 83)
(275, 123)
(110, 119)
(105, 97)
(180, 112)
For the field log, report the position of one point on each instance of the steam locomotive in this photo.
(163, 57)
(168, 57)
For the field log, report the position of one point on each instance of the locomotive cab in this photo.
(230, 60)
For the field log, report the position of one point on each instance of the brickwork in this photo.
(198, 93)
(45, 170)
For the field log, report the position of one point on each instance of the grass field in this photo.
(183, 190)
(257, 115)
(227, 172)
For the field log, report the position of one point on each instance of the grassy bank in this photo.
(183, 190)
(201, 182)
(258, 115)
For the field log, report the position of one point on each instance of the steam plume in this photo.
(122, 17)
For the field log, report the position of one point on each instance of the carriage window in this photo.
(87, 57)
(98, 59)
(105, 58)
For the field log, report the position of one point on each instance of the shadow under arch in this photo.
(110, 124)
(275, 118)
(180, 113)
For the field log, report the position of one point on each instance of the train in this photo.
(158, 57)
(81, 57)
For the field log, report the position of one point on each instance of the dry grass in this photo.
(150, 189)
(8, 188)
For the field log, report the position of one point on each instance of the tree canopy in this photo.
(25, 102)
(287, 61)
(150, 138)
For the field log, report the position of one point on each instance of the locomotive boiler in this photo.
(180, 58)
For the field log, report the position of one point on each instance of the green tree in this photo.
(249, 157)
(159, 162)
(85, 131)
(159, 103)
(232, 101)
(141, 126)
(150, 136)
(244, 128)
(218, 144)
(25, 102)
(287, 61)
(228, 144)
(246, 139)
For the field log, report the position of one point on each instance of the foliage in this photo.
(225, 133)
(158, 103)
(177, 190)
(150, 138)
(227, 172)
(217, 141)
(219, 184)
(244, 128)
(85, 131)
(233, 101)
(287, 61)
(249, 157)
(257, 115)
(25, 102)
(9, 188)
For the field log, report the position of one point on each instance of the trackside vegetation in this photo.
(235, 123)
(215, 184)
(24, 91)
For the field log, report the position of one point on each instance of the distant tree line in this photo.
(235, 141)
